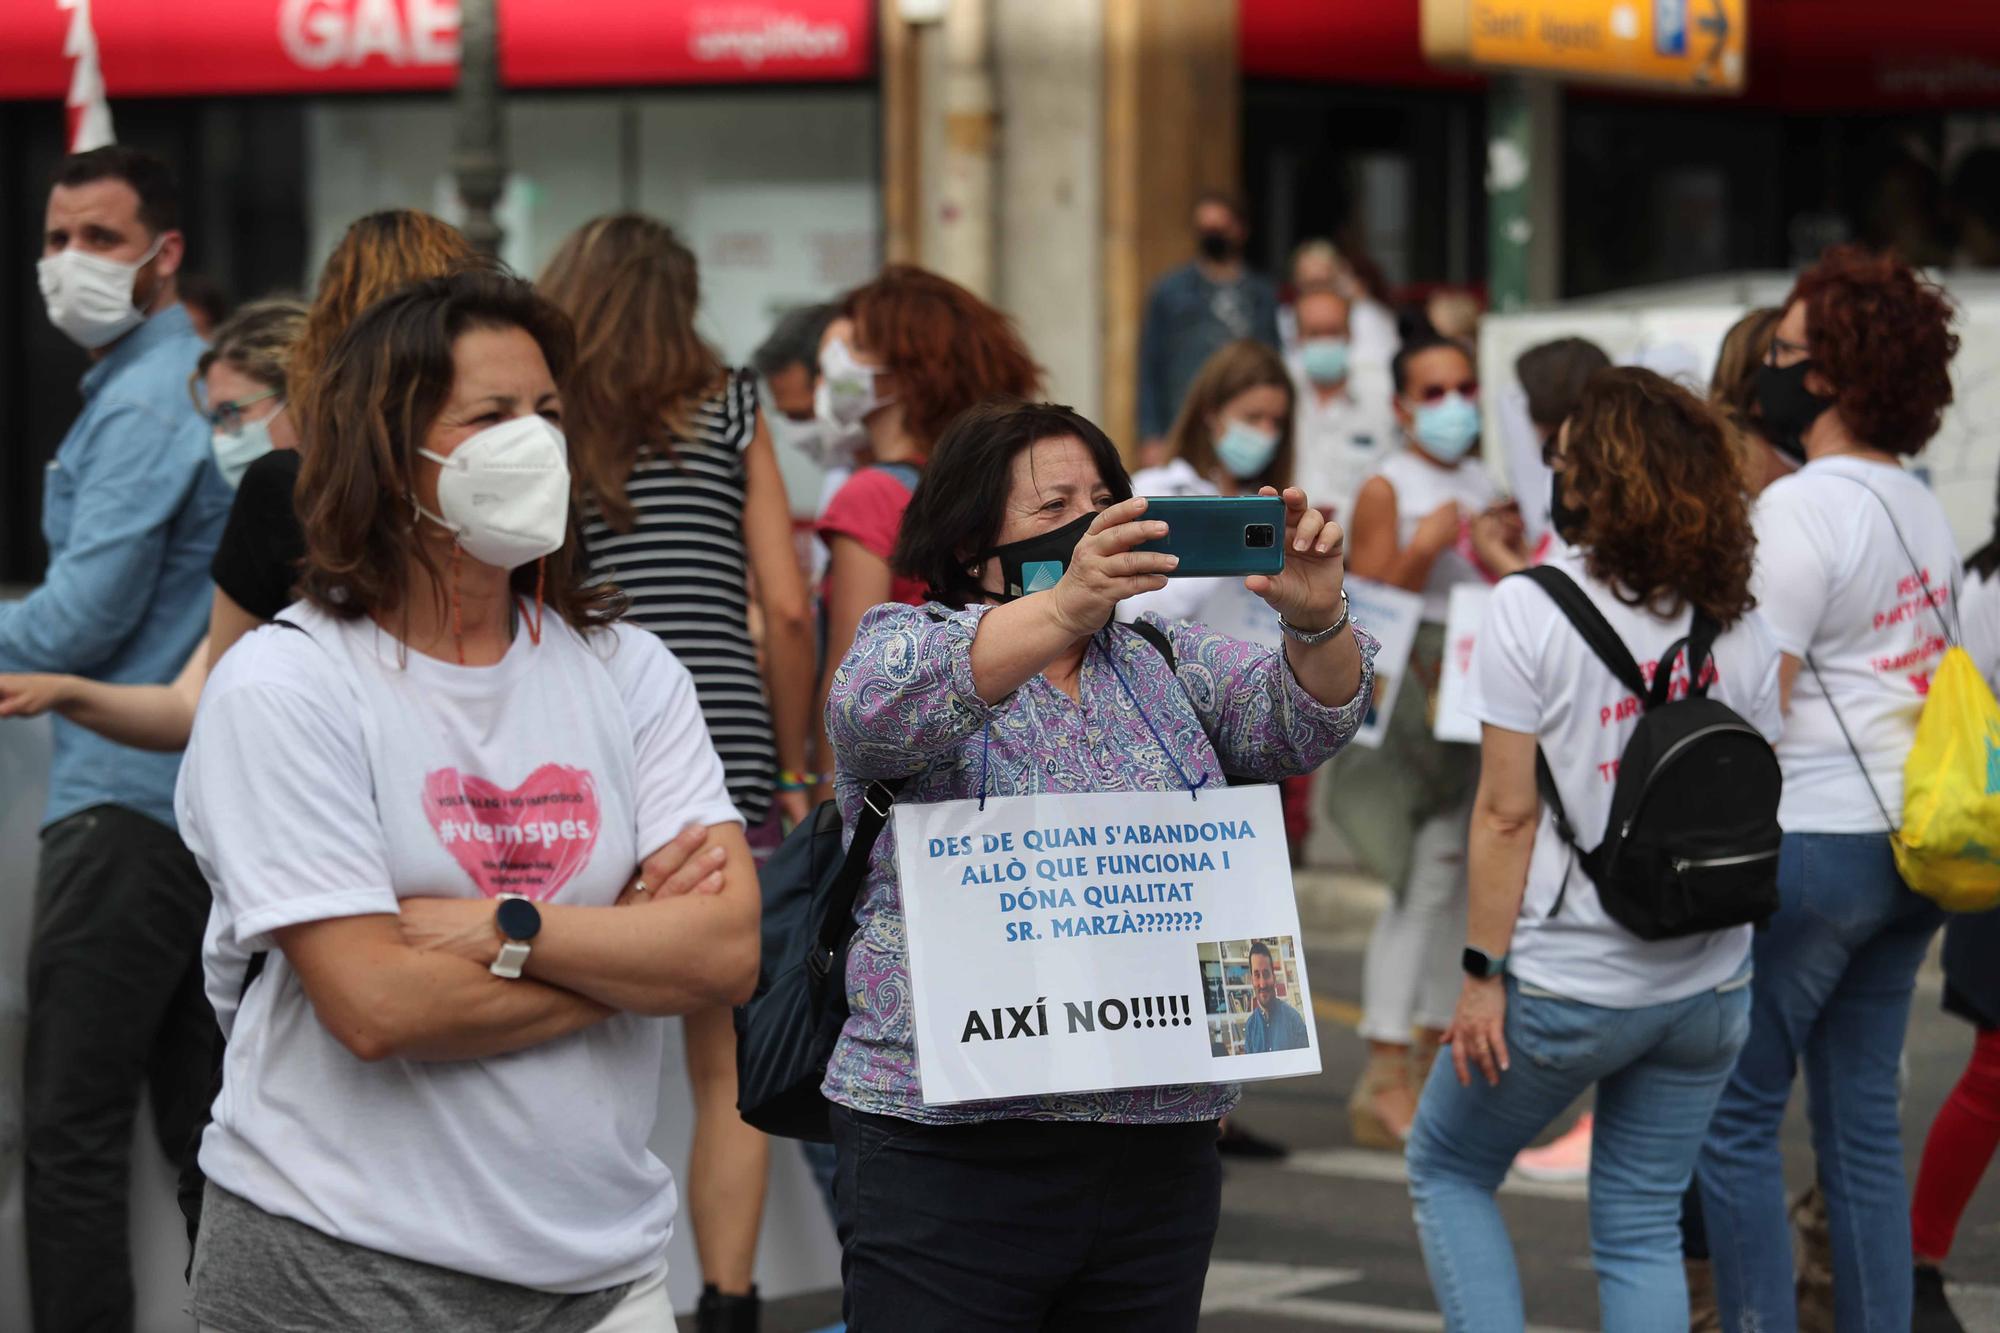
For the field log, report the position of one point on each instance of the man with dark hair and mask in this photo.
(132, 513)
(1213, 299)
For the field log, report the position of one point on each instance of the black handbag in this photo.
(786, 1034)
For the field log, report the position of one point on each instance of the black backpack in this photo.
(1692, 842)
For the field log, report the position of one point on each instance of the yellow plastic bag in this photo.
(1949, 846)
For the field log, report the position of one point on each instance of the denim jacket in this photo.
(131, 510)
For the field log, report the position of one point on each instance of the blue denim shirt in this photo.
(1284, 1031)
(1187, 319)
(132, 509)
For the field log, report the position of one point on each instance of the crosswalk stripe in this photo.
(1388, 1168)
(1281, 1290)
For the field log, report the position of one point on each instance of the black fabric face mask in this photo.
(1788, 407)
(1034, 564)
(1216, 245)
(1567, 520)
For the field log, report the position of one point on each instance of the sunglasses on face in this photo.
(1434, 393)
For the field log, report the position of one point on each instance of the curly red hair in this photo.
(947, 349)
(1882, 334)
(1666, 522)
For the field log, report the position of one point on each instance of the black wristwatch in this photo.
(1482, 965)
(518, 921)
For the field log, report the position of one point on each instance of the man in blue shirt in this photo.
(1213, 300)
(132, 511)
(1274, 1025)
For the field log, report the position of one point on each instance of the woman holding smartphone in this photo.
(1087, 1210)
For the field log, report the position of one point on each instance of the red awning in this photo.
(156, 48)
(1805, 55)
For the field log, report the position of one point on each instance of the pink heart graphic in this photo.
(529, 841)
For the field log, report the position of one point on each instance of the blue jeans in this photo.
(1835, 968)
(1658, 1071)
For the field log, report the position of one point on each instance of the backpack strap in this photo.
(1589, 622)
(1581, 612)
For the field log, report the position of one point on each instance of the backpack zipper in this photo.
(1667, 759)
(1684, 864)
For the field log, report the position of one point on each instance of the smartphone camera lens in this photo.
(1260, 536)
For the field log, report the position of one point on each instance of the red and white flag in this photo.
(89, 113)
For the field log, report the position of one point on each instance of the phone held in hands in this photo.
(1218, 536)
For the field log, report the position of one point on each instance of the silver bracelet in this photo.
(1311, 637)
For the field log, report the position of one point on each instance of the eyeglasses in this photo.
(1434, 393)
(1787, 346)
(226, 417)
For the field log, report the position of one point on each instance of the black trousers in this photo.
(1021, 1226)
(115, 1006)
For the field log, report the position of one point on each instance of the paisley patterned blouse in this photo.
(903, 702)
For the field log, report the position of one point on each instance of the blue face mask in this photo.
(1448, 428)
(1245, 450)
(1324, 360)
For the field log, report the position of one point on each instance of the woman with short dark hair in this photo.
(1859, 579)
(419, 799)
(1560, 996)
(1090, 1209)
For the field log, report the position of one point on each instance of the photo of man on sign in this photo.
(1255, 995)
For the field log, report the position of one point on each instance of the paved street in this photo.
(1324, 1240)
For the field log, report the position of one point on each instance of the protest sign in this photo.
(1392, 615)
(1461, 629)
(1062, 943)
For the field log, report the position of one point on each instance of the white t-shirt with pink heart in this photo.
(332, 773)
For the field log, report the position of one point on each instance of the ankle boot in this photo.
(720, 1313)
(1383, 1073)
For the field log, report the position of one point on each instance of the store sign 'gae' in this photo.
(164, 48)
(1693, 46)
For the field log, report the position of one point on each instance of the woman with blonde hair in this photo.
(686, 514)
(1733, 390)
(260, 369)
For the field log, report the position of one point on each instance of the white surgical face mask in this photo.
(235, 453)
(834, 444)
(504, 493)
(846, 387)
(89, 297)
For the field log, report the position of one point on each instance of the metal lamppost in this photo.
(479, 157)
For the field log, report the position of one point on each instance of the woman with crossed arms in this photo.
(421, 796)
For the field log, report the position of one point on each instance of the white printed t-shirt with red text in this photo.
(1835, 584)
(332, 773)
(1532, 673)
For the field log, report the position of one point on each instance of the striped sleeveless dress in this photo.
(685, 568)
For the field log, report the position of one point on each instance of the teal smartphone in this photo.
(1216, 536)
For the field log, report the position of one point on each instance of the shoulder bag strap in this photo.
(1852, 748)
(836, 927)
(1156, 636)
(1916, 571)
